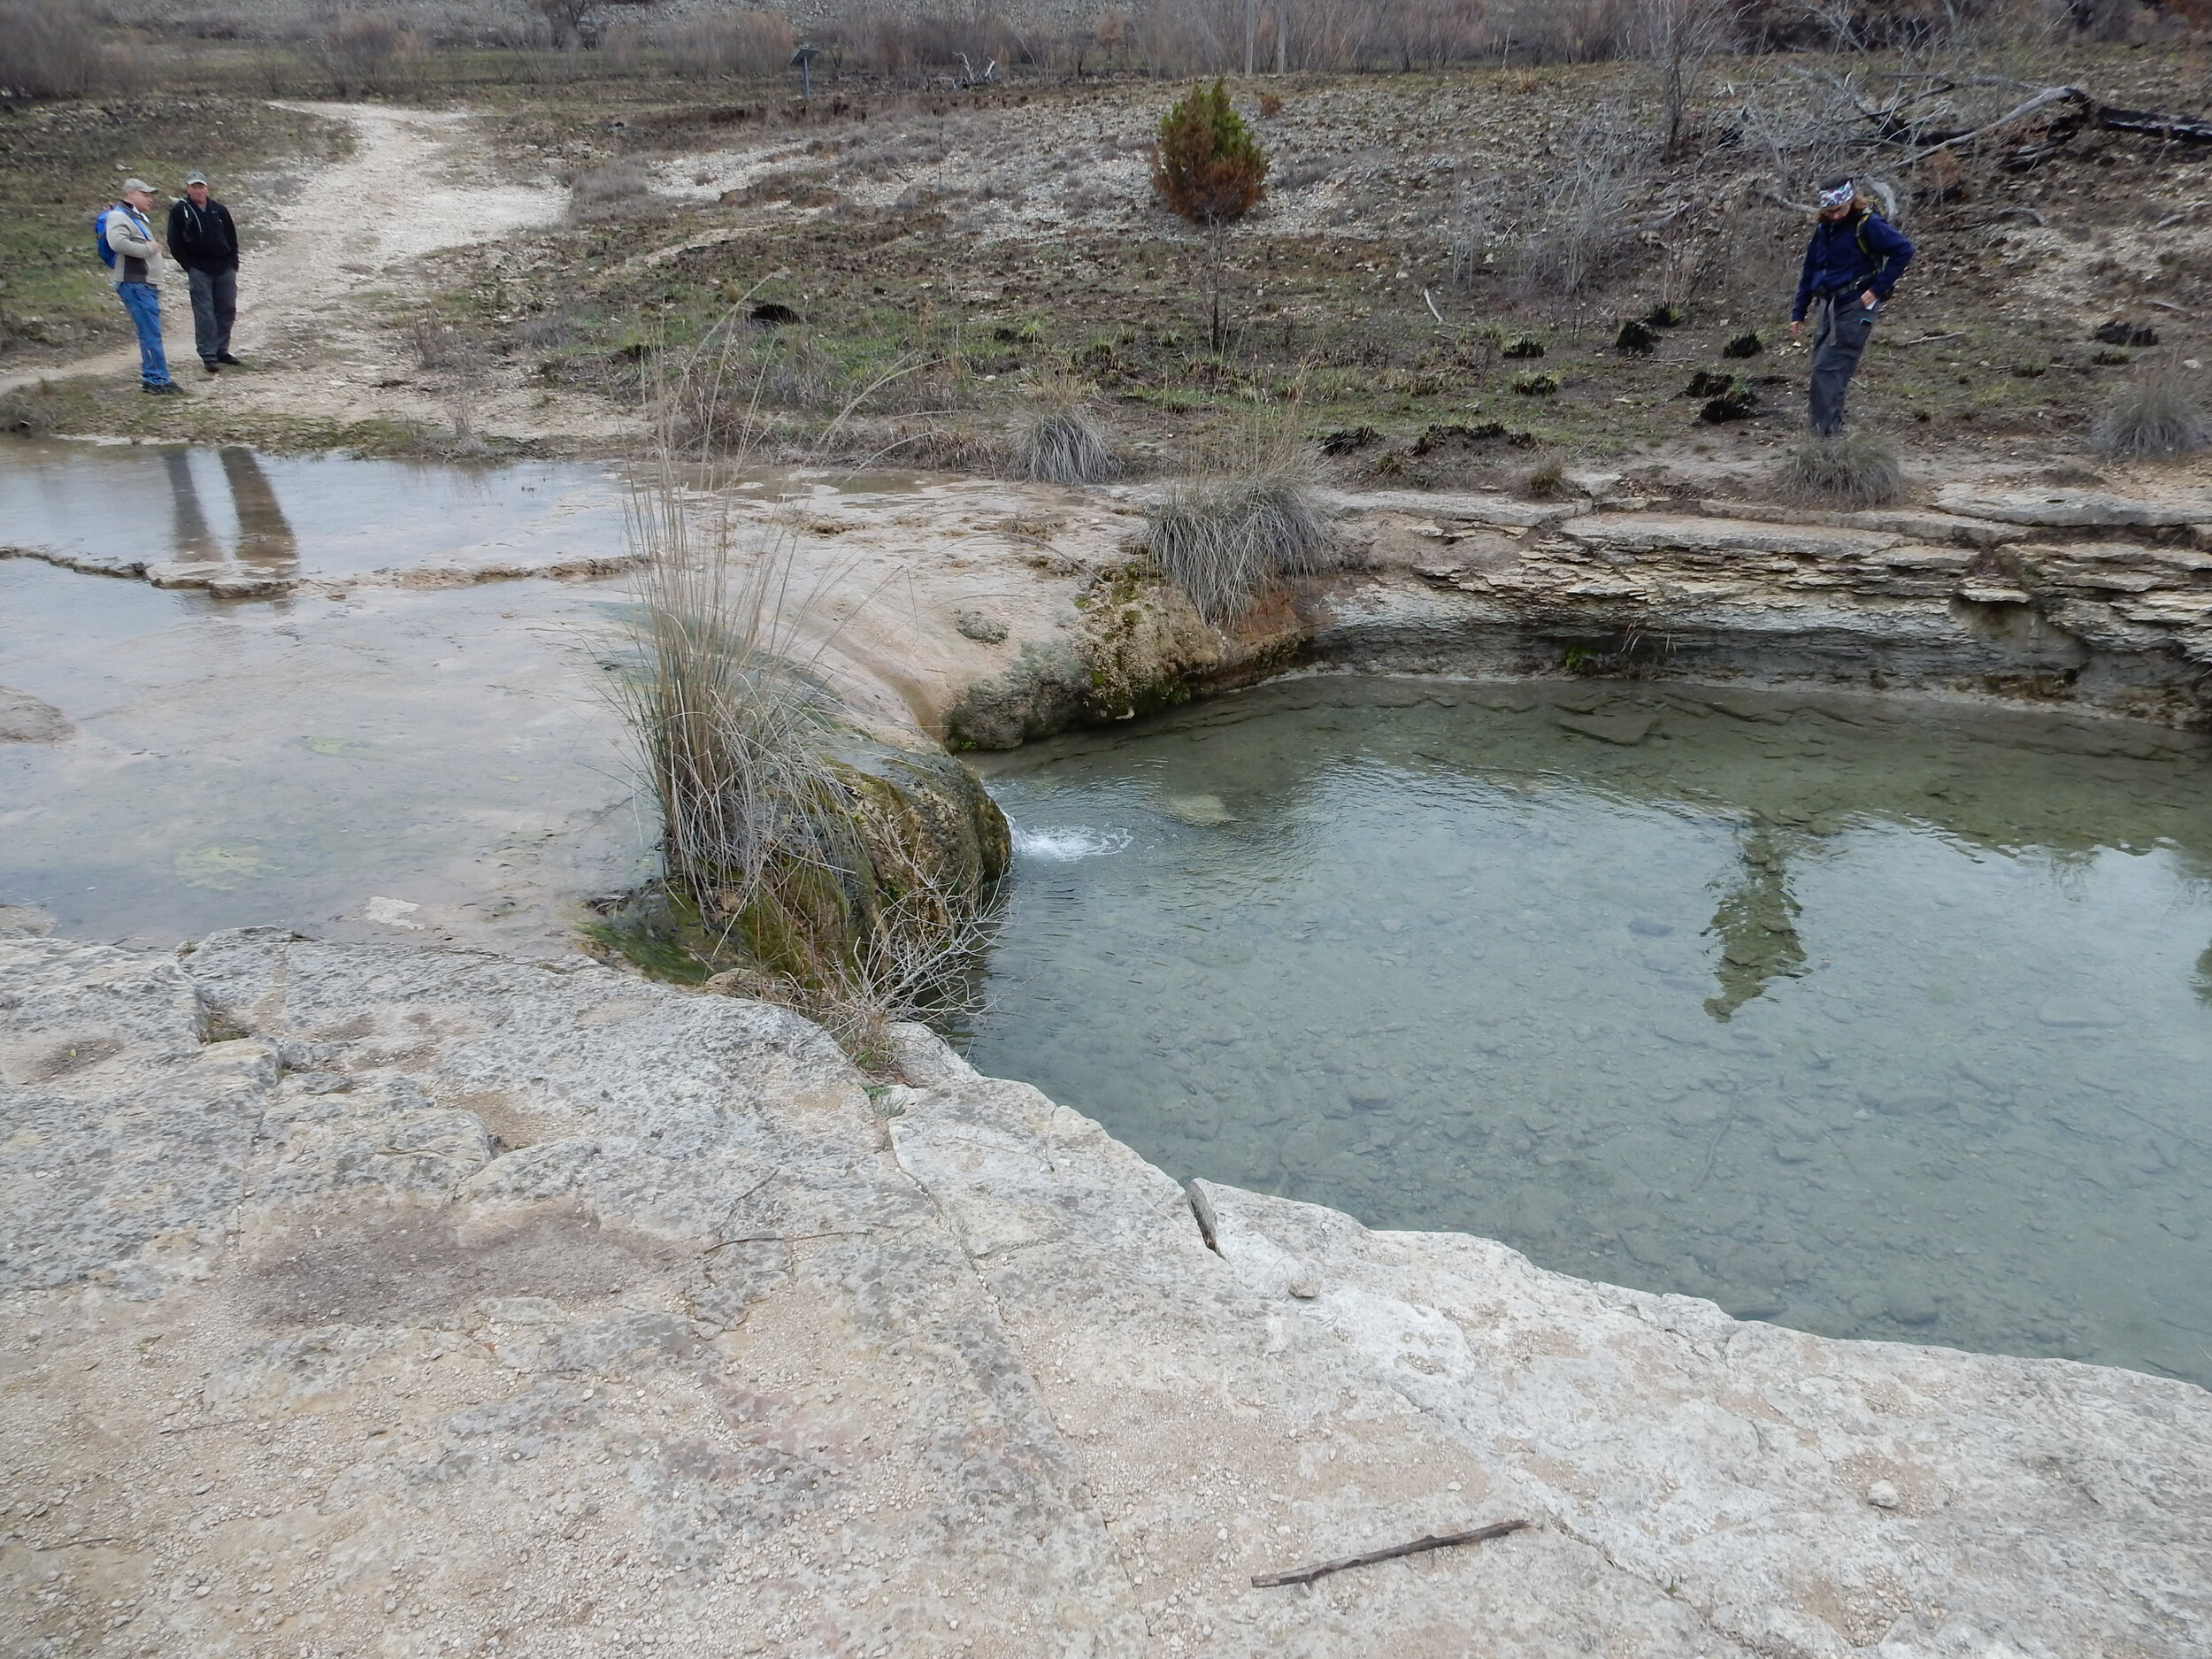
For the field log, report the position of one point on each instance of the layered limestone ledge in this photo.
(379, 1300)
(2045, 598)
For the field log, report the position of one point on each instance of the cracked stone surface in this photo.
(376, 1299)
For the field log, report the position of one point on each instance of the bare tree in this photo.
(564, 19)
(1681, 37)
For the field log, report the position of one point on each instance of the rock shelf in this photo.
(378, 1298)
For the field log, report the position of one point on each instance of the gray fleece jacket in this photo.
(131, 239)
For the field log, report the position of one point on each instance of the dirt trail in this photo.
(313, 312)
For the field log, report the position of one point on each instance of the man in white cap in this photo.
(205, 241)
(133, 258)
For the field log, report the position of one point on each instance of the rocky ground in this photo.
(975, 245)
(378, 1300)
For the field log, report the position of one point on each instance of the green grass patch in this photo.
(61, 163)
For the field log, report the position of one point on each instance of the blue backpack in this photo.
(100, 237)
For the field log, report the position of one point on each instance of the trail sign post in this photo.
(802, 60)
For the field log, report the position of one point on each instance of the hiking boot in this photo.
(213, 365)
(167, 388)
(225, 358)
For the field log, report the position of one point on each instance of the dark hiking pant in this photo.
(214, 304)
(1846, 325)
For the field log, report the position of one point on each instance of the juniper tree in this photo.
(1208, 168)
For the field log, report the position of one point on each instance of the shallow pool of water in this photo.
(1872, 1022)
(290, 762)
(323, 516)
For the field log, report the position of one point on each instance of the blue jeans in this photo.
(143, 303)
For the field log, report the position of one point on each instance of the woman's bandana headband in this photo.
(1840, 196)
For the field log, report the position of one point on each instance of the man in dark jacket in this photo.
(1851, 265)
(204, 242)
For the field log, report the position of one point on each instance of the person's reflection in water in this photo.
(1757, 924)
(190, 540)
(264, 535)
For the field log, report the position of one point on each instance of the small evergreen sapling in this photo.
(1208, 168)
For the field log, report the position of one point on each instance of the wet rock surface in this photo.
(403, 1299)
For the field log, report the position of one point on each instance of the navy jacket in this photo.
(1850, 256)
(202, 238)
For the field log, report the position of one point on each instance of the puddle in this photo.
(290, 762)
(323, 517)
(1873, 1025)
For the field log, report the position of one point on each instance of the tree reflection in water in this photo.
(1756, 923)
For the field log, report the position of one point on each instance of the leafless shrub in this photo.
(622, 189)
(1852, 469)
(1583, 226)
(547, 331)
(738, 43)
(363, 52)
(1681, 37)
(50, 50)
(1223, 536)
(2158, 414)
(436, 343)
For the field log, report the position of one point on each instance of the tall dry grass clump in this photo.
(1062, 443)
(2158, 414)
(1225, 537)
(1852, 469)
(811, 875)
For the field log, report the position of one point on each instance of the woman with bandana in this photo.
(1851, 265)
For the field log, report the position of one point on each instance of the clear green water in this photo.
(1874, 1022)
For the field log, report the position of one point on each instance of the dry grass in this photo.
(623, 189)
(2158, 414)
(816, 878)
(1062, 442)
(1853, 470)
(1225, 537)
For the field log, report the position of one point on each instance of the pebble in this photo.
(1305, 1284)
(1883, 1495)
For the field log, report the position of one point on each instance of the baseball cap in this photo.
(196, 178)
(132, 186)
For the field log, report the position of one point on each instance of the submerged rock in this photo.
(26, 719)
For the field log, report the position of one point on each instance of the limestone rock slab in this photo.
(1806, 1496)
(1651, 533)
(2070, 508)
(526, 1306)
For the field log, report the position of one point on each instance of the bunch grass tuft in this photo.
(2157, 414)
(1852, 469)
(1225, 537)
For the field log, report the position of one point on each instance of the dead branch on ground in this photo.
(1419, 1545)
